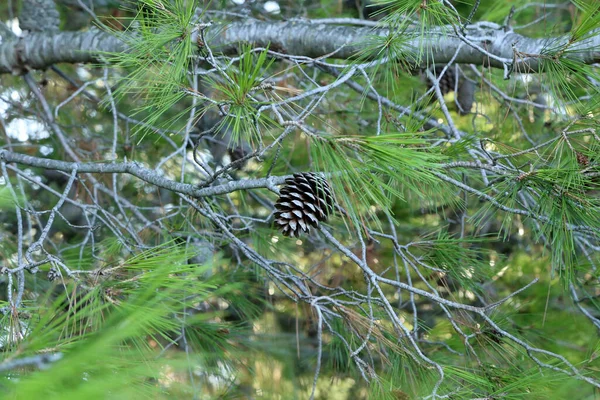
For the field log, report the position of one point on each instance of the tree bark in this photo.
(41, 50)
(482, 44)
(39, 16)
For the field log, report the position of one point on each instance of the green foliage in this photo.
(400, 15)
(393, 46)
(120, 335)
(564, 197)
(158, 59)
(428, 13)
(462, 259)
(588, 20)
(510, 383)
(569, 78)
(381, 166)
(7, 200)
(235, 88)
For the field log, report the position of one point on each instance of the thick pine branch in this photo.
(483, 43)
(41, 50)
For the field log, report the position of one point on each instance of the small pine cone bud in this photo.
(239, 152)
(306, 200)
(53, 274)
(583, 160)
(447, 81)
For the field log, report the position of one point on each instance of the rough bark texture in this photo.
(40, 50)
(39, 16)
(94, 3)
(317, 40)
(484, 43)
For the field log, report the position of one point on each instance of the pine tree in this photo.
(228, 201)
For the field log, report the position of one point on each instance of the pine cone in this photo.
(447, 81)
(465, 90)
(53, 274)
(306, 200)
(582, 159)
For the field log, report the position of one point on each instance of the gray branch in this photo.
(145, 174)
(41, 361)
(483, 43)
(41, 50)
(94, 3)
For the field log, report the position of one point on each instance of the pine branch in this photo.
(41, 361)
(41, 50)
(483, 43)
(148, 175)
